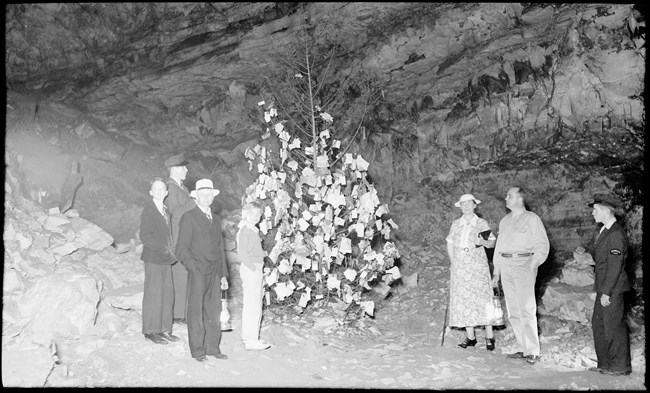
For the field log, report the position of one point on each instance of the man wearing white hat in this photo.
(522, 246)
(200, 249)
(178, 202)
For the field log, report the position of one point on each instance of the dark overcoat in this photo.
(610, 255)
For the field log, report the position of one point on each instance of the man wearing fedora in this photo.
(522, 246)
(178, 201)
(611, 337)
(200, 249)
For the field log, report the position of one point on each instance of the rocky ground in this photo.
(399, 348)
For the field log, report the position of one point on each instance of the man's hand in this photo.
(224, 283)
(604, 300)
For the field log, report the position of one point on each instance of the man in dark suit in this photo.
(200, 250)
(179, 201)
(157, 254)
(611, 337)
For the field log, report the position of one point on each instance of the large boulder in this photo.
(26, 366)
(578, 276)
(60, 305)
(90, 235)
(115, 269)
(568, 302)
(108, 323)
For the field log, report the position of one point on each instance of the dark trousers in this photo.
(179, 273)
(158, 299)
(611, 337)
(203, 313)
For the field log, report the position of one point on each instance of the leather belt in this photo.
(507, 255)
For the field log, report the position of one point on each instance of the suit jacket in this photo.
(200, 244)
(178, 201)
(610, 255)
(155, 235)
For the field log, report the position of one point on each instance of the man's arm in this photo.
(184, 244)
(224, 262)
(147, 237)
(497, 259)
(541, 245)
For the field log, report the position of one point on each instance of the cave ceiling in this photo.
(159, 65)
(461, 84)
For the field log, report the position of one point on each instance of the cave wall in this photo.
(489, 92)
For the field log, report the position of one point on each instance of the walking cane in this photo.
(444, 323)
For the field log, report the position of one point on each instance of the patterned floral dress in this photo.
(470, 287)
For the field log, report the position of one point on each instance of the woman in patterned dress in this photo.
(470, 287)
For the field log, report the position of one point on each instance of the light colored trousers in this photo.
(253, 293)
(518, 283)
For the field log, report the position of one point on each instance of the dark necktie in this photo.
(164, 213)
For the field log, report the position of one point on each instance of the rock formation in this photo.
(472, 98)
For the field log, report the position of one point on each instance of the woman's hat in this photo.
(204, 184)
(465, 198)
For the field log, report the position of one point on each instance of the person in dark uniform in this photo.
(179, 202)
(157, 255)
(200, 249)
(611, 337)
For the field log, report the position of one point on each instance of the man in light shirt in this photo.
(521, 247)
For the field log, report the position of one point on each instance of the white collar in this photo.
(159, 204)
(608, 224)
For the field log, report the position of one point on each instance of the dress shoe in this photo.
(532, 359)
(467, 343)
(201, 358)
(611, 372)
(180, 320)
(157, 338)
(170, 337)
(219, 356)
(489, 344)
(516, 355)
(595, 369)
(256, 345)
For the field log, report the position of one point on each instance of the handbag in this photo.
(495, 309)
(225, 314)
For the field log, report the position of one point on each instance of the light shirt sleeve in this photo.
(541, 245)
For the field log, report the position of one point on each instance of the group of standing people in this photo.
(186, 269)
(520, 248)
